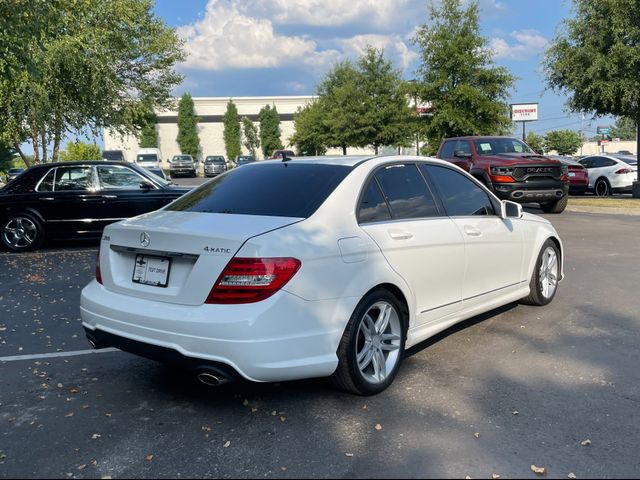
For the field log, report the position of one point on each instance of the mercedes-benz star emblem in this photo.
(145, 239)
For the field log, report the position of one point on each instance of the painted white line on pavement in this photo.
(48, 252)
(42, 356)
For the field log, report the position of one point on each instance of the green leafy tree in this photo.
(250, 135)
(624, 129)
(536, 142)
(342, 107)
(78, 151)
(188, 139)
(595, 60)
(565, 142)
(387, 112)
(91, 65)
(6, 157)
(310, 135)
(231, 133)
(269, 130)
(149, 133)
(467, 92)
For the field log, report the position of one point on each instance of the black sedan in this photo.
(76, 200)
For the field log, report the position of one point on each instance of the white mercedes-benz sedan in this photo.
(315, 267)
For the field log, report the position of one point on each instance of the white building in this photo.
(211, 110)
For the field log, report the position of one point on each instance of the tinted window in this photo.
(462, 146)
(447, 149)
(113, 155)
(279, 190)
(461, 196)
(73, 178)
(586, 162)
(149, 157)
(113, 177)
(407, 192)
(373, 207)
(46, 185)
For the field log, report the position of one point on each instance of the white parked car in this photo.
(149, 158)
(610, 173)
(319, 267)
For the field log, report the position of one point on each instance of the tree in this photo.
(93, 65)
(149, 132)
(387, 113)
(231, 133)
(595, 60)
(467, 92)
(188, 139)
(6, 157)
(565, 142)
(78, 151)
(536, 142)
(624, 129)
(269, 130)
(342, 107)
(250, 134)
(310, 136)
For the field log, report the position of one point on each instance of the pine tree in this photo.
(188, 139)
(250, 134)
(231, 132)
(149, 132)
(269, 130)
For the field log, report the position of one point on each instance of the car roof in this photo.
(80, 162)
(355, 160)
(482, 137)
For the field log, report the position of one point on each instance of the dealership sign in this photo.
(524, 112)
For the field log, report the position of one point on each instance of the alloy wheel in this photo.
(378, 342)
(549, 272)
(20, 232)
(602, 189)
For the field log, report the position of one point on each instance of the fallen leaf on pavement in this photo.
(585, 443)
(227, 444)
(378, 427)
(149, 457)
(537, 470)
(495, 476)
(477, 435)
(515, 412)
(572, 475)
(69, 415)
(348, 454)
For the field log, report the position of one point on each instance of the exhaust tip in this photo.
(211, 379)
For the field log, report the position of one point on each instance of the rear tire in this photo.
(602, 188)
(555, 207)
(372, 346)
(22, 232)
(545, 277)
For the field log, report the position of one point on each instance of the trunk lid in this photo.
(196, 248)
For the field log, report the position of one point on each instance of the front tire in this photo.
(546, 275)
(372, 346)
(555, 207)
(22, 232)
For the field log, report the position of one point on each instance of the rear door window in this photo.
(275, 189)
(461, 196)
(115, 177)
(73, 179)
(406, 192)
(373, 206)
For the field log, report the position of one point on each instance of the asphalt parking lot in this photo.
(555, 387)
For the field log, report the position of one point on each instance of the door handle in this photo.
(472, 231)
(47, 199)
(110, 197)
(400, 234)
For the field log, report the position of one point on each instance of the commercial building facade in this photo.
(211, 110)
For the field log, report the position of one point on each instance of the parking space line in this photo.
(48, 252)
(42, 356)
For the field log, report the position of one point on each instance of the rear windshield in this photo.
(277, 190)
(150, 157)
(112, 155)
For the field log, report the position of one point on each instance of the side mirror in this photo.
(511, 210)
(461, 154)
(146, 186)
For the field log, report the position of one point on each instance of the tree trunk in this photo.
(36, 145)
(17, 148)
(43, 137)
(56, 145)
(375, 149)
(344, 149)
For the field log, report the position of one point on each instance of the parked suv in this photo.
(214, 165)
(511, 169)
(182, 165)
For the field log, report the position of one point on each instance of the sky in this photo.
(284, 47)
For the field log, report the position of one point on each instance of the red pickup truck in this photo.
(510, 169)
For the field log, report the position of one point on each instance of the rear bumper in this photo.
(281, 338)
(531, 192)
(577, 189)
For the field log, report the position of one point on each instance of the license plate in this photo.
(149, 270)
(572, 174)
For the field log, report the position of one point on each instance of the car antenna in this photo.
(285, 158)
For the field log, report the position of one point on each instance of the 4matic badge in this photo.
(217, 250)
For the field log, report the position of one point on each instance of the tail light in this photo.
(250, 280)
(624, 170)
(98, 272)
